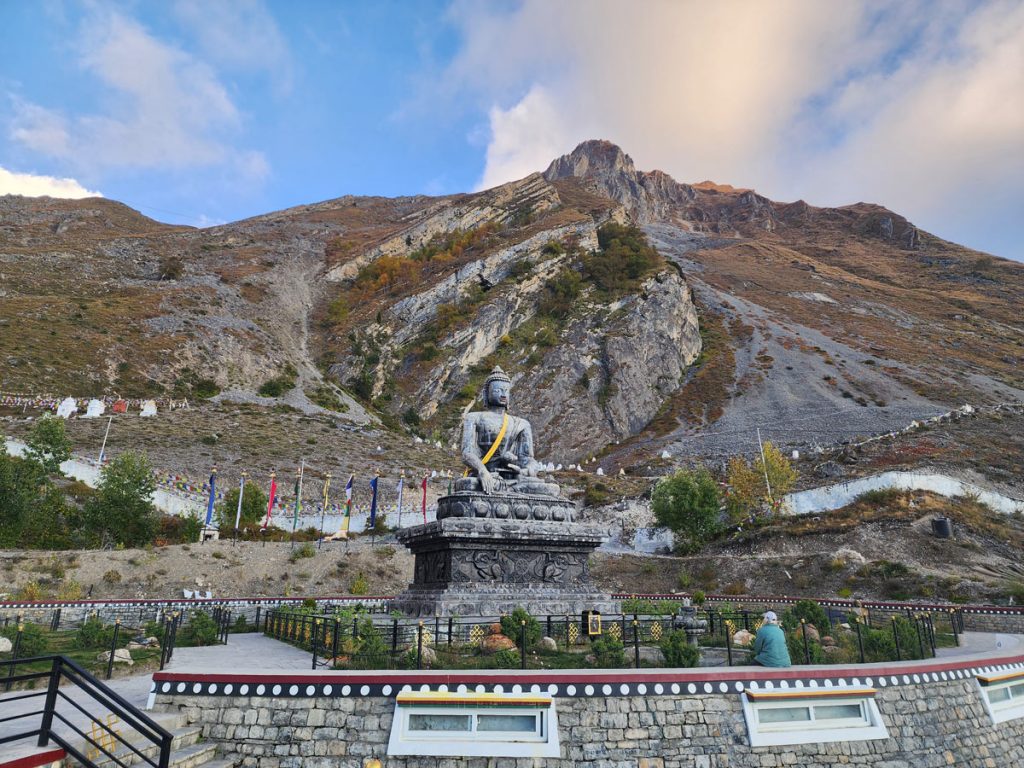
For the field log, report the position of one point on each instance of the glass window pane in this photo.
(783, 715)
(438, 722)
(1018, 690)
(837, 711)
(512, 723)
(998, 694)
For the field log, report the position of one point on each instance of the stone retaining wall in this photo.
(933, 719)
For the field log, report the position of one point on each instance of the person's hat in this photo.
(770, 616)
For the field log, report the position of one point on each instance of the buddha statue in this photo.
(498, 447)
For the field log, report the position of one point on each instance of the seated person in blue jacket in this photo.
(770, 644)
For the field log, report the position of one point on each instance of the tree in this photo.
(122, 510)
(748, 494)
(48, 445)
(254, 506)
(687, 503)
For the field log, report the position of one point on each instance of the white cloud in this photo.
(165, 109)
(241, 35)
(525, 138)
(31, 185)
(906, 104)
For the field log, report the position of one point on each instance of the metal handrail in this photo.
(62, 669)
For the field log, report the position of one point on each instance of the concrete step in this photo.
(184, 738)
(194, 755)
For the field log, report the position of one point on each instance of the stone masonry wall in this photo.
(930, 725)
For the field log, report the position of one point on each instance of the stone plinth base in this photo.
(487, 567)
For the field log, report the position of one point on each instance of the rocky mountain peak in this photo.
(594, 158)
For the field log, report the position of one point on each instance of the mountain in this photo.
(814, 324)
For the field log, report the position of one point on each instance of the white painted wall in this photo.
(830, 497)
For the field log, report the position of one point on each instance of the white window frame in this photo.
(1001, 710)
(543, 741)
(816, 729)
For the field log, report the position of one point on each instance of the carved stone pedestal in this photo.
(486, 566)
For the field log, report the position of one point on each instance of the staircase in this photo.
(188, 749)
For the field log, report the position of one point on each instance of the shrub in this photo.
(112, 577)
(809, 611)
(241, 624)
(360, 586)
(122, 510)
(511, 626)
(608, 652)
(507, 658)
(304, 551)
(94, 634)
(47, 444)
(33, 639)
(200, 630)
(254, 506)
(748, 494)
(699, 597)
(687, 503)
(31, 592)
(677, 650)
(372, 650)
(154, 629)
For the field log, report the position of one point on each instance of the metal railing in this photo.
(102, 738)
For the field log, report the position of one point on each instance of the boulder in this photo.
(812, 634)
(494, 643)
(5, 645)
(428, 657)
(743, 638)
(827, 641)
(831, 650)
(547, 644)
(121, 656)
(849, 556)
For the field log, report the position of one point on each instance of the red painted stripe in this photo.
(33, 761)
(594, 677)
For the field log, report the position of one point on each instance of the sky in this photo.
(201, 112)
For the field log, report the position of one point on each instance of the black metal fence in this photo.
(363, 641)
(58, 713)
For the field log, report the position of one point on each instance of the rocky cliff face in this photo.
(395, 309)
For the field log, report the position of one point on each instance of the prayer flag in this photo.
(424, 499)
(241, 494)
(209, 504)
(298, 499)
(270, 502)
(401, 482)
(373, 504)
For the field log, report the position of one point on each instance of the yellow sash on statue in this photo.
(497, 441)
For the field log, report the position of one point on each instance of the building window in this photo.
(1003, 695)
(466, 725)
(803, 717)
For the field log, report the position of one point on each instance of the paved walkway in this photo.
(983, 643)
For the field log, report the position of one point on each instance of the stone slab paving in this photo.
(243, 652)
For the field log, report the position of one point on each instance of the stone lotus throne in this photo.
(504, 537)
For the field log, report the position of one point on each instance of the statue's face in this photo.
(498, 393)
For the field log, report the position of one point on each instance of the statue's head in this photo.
(497, 389)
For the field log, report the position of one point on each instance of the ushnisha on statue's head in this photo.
(497, 389)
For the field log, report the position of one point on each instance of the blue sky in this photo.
(204, 111)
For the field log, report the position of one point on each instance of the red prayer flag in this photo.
(270, 502)
(424, 498)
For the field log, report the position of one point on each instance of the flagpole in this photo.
(209, 506)
(104, 446)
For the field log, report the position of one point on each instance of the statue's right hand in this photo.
(487, 482)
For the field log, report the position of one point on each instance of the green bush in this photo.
(33, 639)
(687, 503)
(506, 659)
(809, 611)
(360, 586)
(154, 629)
(201, 629)
(608, 652)
(306, 550)
(372, 650)
(512, 624)
(94, 634)
(677, 650)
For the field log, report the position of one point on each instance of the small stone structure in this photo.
(505, 537)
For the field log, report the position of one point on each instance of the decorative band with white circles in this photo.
(581, 688)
